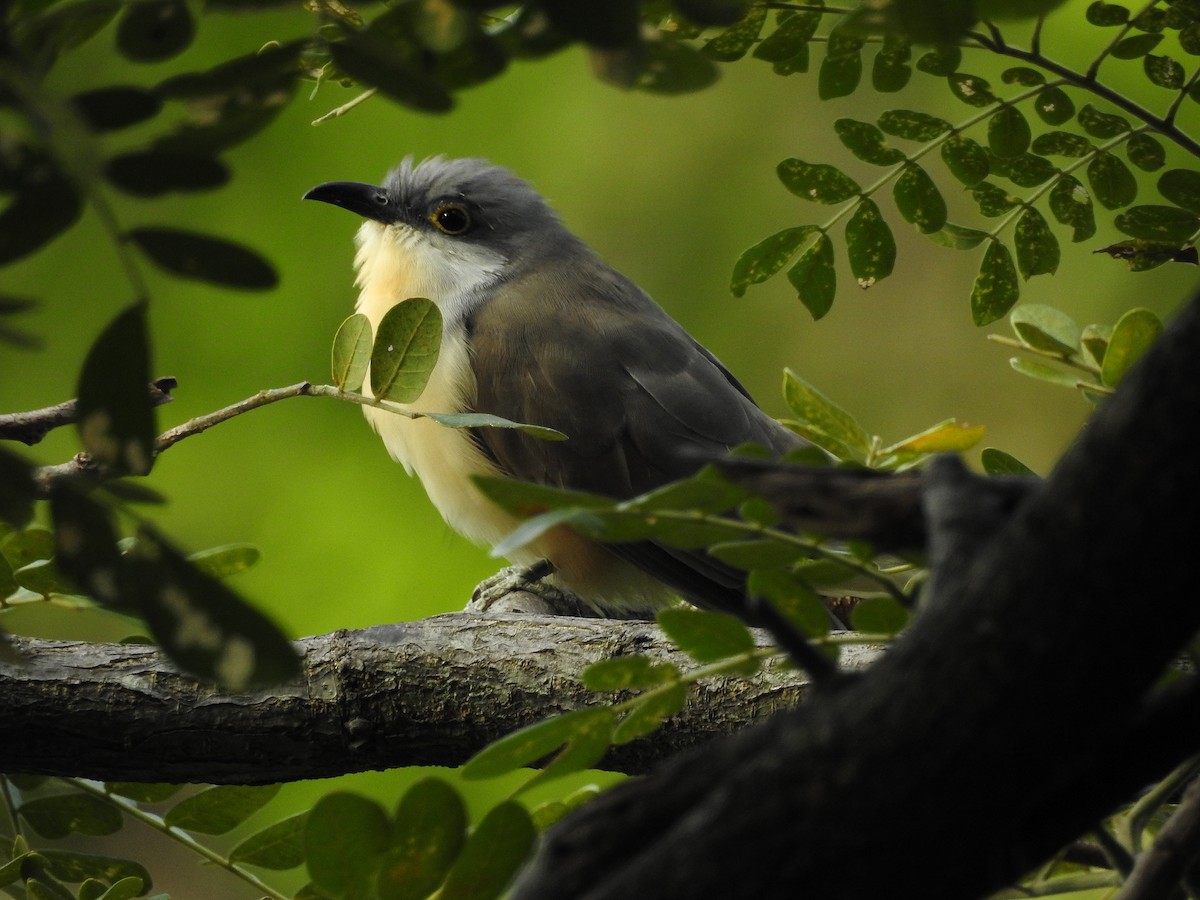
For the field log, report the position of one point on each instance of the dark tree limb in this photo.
(31, 426)
(1004, 713)
(431, 692)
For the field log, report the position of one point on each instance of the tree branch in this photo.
(30, 427)
(431, 692)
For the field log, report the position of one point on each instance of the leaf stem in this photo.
(131, 809)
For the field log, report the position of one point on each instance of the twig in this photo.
(1158, 871)
(30, 427)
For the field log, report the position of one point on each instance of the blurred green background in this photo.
(668, 189)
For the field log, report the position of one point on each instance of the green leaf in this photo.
(1054, 106)
(949, 436)
(1062, 143)
(822, 421)
(1107, 15)
(971, 89)
(789, 593)
(879, 615)
(154, 172)
(155, 30)
(841, 69)
(996, 286)
(870, 246)
(1112, 182)
(650, 713)
(1008, 132)
(126, 888)
(30, 545)
(1034, 368)
(867, 142)
(188, 254)
(1163, 71)
(957, 237)
(586, 747)
(735, 41)
(815, 278)
(406, 349)
(1037, 248)
(494, 852)
(943, 60)
(524, 747)
(1135, 45)
(344, 838)
(912, 125)
(1181, 187)
(277, 847)
(69, 866)
(1046, 328)
(1132, 336)
(890, 72)
(1145, 152)
(1026, 170)
(767, 257)
(219, 809)
(1071, 205)
(789, 39)
(997, 462)
(226, 560)
(966, 159)
(86, 544)
(672, 67)
(707, 491)
(430, 831)
(487, 420)
(113, 108)
(1142, 255)
(624, 673)
(1022, 75)
(206, 628)
(993, 200)
(1095, 340)
(758, 553)
(142, 792)
(705, 636)
(1101, 124)
(819, 182)
(1165, 224)
(919, 200)
(375, 63)
(1189, 39)
(351, 353)
(59, 815)
(116, 414)
(46, 204)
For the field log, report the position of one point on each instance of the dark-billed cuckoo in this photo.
(539, 329)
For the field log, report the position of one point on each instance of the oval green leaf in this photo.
(1181, 187)
(1054, 106)
(919, 200)
(277, 847)
(1046, 328)
(59, 815)
(1062, 143)
(1071, 205)
(819, 182)
(651, 712)
(1146, 152)
(624, 673)
(996, 286)
(1163, 72)
(205, 258)
(706, 636)
(1101, 124)
(344, 838)
(406, 349)
(966, 159)
(351, 353)
(912, 125)
(1112, 182)
(527, 746)
(767, 257)
(497, 848)
(870, 246)
(821, 415)
(814, 277)
(1008, 132)
(867, 142)
(155, 30)
(227, 560)
(220, 809)
(112, 108)
(1037, 247)
(152, 173)
(971, 89)
(430, 831)
(1131, 338)
(1165, 224)
(997, 462)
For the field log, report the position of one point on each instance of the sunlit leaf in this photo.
(351, 352)
(527, 746)
(205, 258)
(867, 142)
(1131, 338)
(1111, 181)
(814, 277)
(1046, 328)
(879, 615)
(912, 125)
(1037, 248)
(650, 713)
(996, 286)
(406, 348)
(1094, 341)
(767, 257)
(971, 89)
(494, 852)
(824, 418)
(623, 673)
(1035, 368)
(704, 635)
(870, 246)
(819, 182)
(225, 561)
(1164, 71)
(949, 436)
(919, 200)
(1062, 143)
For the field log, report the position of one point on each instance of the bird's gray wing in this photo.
(642, 403)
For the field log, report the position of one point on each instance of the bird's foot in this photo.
(522, 589)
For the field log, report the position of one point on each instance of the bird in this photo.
(538, 329)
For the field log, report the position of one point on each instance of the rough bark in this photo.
(431, 692)
(1020, 708)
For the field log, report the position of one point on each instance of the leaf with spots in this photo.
(767, 257)
(85, 545)
(919, 200)
(1181, 187)
(870, 246)
(993, 200)
(1037, 248)
(735, 41)
(1071, 205)
(1135, 45)
(841, 70)
(1146, 152)
(205, 627)
(1112, 182)
(1054, 106)
(817, 181)
(1164, 224)
(116, 413)
(1164, 72)
(966, 159)
(867, 142)
(790, 39)
(815, 278)
(1101, 124)
(971, 89)
(1008, 132)
(220, 809)
(891, 72)
(996, 285)
(407, 345)
(912, 125)
(1062, 143)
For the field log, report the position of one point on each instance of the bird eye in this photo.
(452, 219)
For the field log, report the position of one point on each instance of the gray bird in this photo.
(539, 329)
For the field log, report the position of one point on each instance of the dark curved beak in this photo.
(367, 200)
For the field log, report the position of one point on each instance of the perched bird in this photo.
(538, 329)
